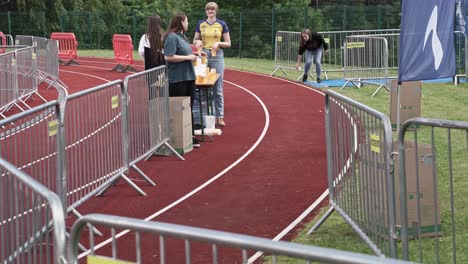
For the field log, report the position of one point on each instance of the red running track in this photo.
(260, 195)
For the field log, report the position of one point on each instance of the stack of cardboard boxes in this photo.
(410, 94)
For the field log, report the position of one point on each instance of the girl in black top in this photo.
(151, 43)
(313, 45)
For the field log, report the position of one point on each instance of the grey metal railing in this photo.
(360, 183)
(162, 237)
(32, 220)
(432, 189)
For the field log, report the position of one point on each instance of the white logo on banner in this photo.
(436, 44)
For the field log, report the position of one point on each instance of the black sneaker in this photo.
(318, 80)
(195, 143)
(304, 78)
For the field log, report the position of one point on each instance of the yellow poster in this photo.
(375, 143)
(53, 127)
(115, 101)
(105, 260)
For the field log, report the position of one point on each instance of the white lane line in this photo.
(284, 80)
(293, 224)
(285, 231)
(199, 188)
(314, 205)
(86, 74)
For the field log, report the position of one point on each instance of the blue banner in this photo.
(427, 48)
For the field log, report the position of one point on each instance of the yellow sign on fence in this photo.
(353, 45)
(115, 101)
(53, 127)
(105, 260)
(375, 143)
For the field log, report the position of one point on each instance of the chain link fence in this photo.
(252, 31)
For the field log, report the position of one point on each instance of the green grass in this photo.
(439, 101)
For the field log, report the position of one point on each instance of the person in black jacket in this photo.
(313, 45)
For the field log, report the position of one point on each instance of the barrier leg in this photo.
(77, 214)
(125, 178)
(378, 89)
(321, 220)
(143, 175)
(278, 68)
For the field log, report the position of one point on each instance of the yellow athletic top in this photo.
(211, 33)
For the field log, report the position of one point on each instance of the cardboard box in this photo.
(181, 124)
(427, 181)
(373, 190)
(410, 101)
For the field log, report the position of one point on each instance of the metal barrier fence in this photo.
(31, 141)
(367, 60)
(432, 181)
(46, 54)
(148, 124)
(18, 82)
(162, 236)
(106, 134)
(94, 137)
(360, 182)
(362, 61)
(370, 61)
(32, 220)
(287, 46)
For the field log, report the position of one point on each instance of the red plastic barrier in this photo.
(68, 46)
(3, 42)
(123, 52)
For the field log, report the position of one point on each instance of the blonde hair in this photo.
(211, 5)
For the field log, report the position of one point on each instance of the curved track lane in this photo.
(264, 192)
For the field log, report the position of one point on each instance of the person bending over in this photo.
(313, 45)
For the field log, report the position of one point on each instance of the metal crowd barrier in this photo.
(287, 45)
(432, 179)
(5, 41)
(106, 134)
(461, 56)
(31, 141)
(94, 136)
(18, 70)
(360, 180)
(32, 220)
(158, 237)
(46, 53)
(367, 60)
(78, 151)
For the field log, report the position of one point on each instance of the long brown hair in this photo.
(155, 33)
(308, 32)
(176, 23)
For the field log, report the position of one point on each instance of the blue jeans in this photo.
(217, 63)
(316, 55)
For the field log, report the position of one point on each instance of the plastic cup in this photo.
(203, 60)
(213, 52)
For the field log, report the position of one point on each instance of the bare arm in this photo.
(179, 58)
(298, 63)
(197, 41)
(226, 43)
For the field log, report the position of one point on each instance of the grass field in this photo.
(439, 101)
